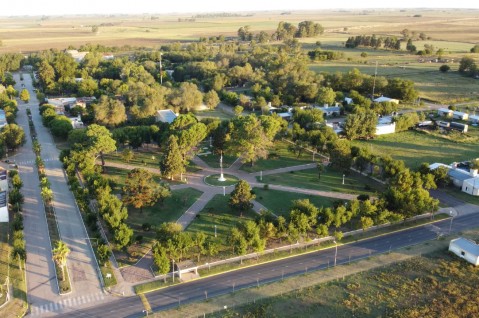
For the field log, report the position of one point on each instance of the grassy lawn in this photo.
(217, 212)
(280, 201)
(331, 180)
(279, 157)
(118, 177)
(415, 148)
(457, 193)
(144, 158)
(229, 180)
(216, 113)
(168, 211)
(213, 160)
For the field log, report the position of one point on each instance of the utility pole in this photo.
(374, 81)
(161, 70)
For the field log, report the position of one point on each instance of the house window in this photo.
(463, 253)
(466, 188)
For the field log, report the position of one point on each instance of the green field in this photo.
(213, 160)
(216, 113)
(217, 212)
(169, 211)
(279, 157)
(280, 202)
(331, 180)
(415, 148)
(117, 176)
(148, 158)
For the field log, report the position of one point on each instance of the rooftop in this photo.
(466, 245)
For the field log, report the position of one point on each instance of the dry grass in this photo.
(23, 34)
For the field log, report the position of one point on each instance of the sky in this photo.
(62, 7)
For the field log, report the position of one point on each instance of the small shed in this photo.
(446, 112)
(330, 110)
(3, 207)
(465, 249)
(187, 270)
(383, 129)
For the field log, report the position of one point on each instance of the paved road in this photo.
(81, 263)
(41, 283)
(222, 284)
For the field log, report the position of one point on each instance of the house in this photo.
(384, 99)
(76, 122)
(85, 101)
(474, 119)
(445, 112)
(460, 115)
(383, 129)
(465, 249)
(77, 56)
(471, 186)
(165, 116)
(3, 119)
(3, 180)
(285, 116)
(458, 176)
(61, 103)
(330, 110)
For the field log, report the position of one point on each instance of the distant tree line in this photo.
(391, 43)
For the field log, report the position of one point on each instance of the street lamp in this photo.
(343, 177)
(161, 70)
(224, 191)
(452, 218)
(215, 230)
(335, 253)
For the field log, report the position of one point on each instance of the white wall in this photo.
(385, 129)
(3, 215)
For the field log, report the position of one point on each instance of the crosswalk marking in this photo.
(65, 303)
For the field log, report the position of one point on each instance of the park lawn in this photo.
(147, 158)
(213, 160)
(331, 180)
(280, 202)
(216, 113)
(169, 211)
(217, 212)
(117, 176)
(279, 157)
(415, 148)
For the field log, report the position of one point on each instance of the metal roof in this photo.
(459, 174)
(167, 115)
(466, 245)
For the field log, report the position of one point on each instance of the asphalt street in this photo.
(221, 284)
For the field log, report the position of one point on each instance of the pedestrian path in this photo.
(60, 306)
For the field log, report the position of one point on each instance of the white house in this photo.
(3, 119)
(465, 249)
(444, 112)
(467, 181)
(330, 110)
(474, 119)
(165, 116)
(60, 103)
(383, 129)
(384, 99)
(460, 115)
(76, 122)
(471, 186)
(78, 56)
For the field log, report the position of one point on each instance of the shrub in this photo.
(146, 227)
(266, 187)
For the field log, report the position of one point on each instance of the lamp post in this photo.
(450, 224)
(335, 253)
(215, 230)
(343, 178)
(261, 175)
(161, 70)
(224, 191)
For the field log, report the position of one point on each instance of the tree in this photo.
(241, 197)
(161, 261)
(340, 154)
(24, 95)
(60, 126)
(475, 49)
(104, 253)
(366, 222)
(326, 95)
(13, 135)
(361, 125)
(127, 154)
(109, 112)
(248, 139)
(123, 235)
(308, 29)
(211, 99)
(141, 190)
(173, 163)
(200, 242)
(60, 254)
(444, 68)
(467, 66)
(187, 97)
(238, 110)
(112, 210)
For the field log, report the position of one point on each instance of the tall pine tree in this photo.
(173, 163)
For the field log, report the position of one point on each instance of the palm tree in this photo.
(19, 253)
(60, 253)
